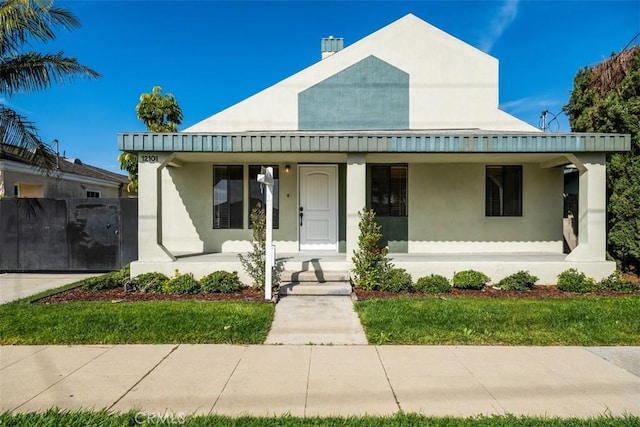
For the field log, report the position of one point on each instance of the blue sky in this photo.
(212, 54)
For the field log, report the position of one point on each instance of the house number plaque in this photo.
(148, 158)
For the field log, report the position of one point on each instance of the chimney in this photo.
(330, 45)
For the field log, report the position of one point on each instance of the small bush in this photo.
(221, 282)
(111, 280)
(433, 284)
(396, 280)
(181, 284)
(150, 282)
(370, 262)
(470, 279)
(615, 282)
(572, 280)
(520, 281)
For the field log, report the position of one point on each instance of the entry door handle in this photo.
(301, 215)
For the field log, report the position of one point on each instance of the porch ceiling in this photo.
(462, 141)
(545, 159)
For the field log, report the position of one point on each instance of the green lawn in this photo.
(104, 419)
(465, 320)
(142, 322)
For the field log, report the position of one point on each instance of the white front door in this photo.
(318, 210)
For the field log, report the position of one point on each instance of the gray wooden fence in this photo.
(68, 235)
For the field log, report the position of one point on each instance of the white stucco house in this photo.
(405, 121)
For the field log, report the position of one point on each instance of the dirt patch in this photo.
(119, 295)
(546, 291)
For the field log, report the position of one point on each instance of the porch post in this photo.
(356, 198)
(150, 208)
(592, 209)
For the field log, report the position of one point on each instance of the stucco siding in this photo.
(187, 207)
(447, 211)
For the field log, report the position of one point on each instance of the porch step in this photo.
(316, 282)
(315, 288)
(315, 276)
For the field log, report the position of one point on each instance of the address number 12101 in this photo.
(147, 158)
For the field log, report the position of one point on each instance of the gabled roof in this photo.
(450, 85)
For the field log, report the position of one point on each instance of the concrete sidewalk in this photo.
(14, 286)
(321, 380)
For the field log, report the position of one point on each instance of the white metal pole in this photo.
(268, 262)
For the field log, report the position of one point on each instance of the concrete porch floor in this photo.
(545, 265)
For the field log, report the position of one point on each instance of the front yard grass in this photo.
(105, 419)
(157, 322)
(476, 321)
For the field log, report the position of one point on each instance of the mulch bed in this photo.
(546, 291)
(119, 295)
(250, 294)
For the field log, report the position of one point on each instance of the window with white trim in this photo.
(92, 194)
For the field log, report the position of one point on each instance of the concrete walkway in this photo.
(14, 286)
(319, 380)
(316, 320)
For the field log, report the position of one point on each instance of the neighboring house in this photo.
(70, 179)
(405, 121)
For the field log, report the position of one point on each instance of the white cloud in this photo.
(501, 21)
(531, 103)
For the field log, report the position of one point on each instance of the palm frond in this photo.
(33, 71)
(21, 20)
(19, 137)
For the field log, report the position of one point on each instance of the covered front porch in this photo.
(545, 265)
(455, 210)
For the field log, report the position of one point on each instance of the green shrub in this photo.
(520, 281)
(469, 279)
(433, 284)
(181, 284)
(615, 282)
(221, 282)
(396, 280)
(254, 261)
(572, 280)
(150, 282)
(111, 280)
(370, 263)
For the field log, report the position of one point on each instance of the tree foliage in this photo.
(606, 98)
(159, 113)
(21, 71)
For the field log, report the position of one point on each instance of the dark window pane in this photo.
(512, 191)
(389, 190)
(398, 191)
(256, 195)
(503, 191)
(380, 190)
(227, 197)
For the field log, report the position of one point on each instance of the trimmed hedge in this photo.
(433, 284)
(520, 281)
(150, 282)
(111, 280)
(221, 282)
(470, 279)
(572, 280)
(396, 280)
(181, 284)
